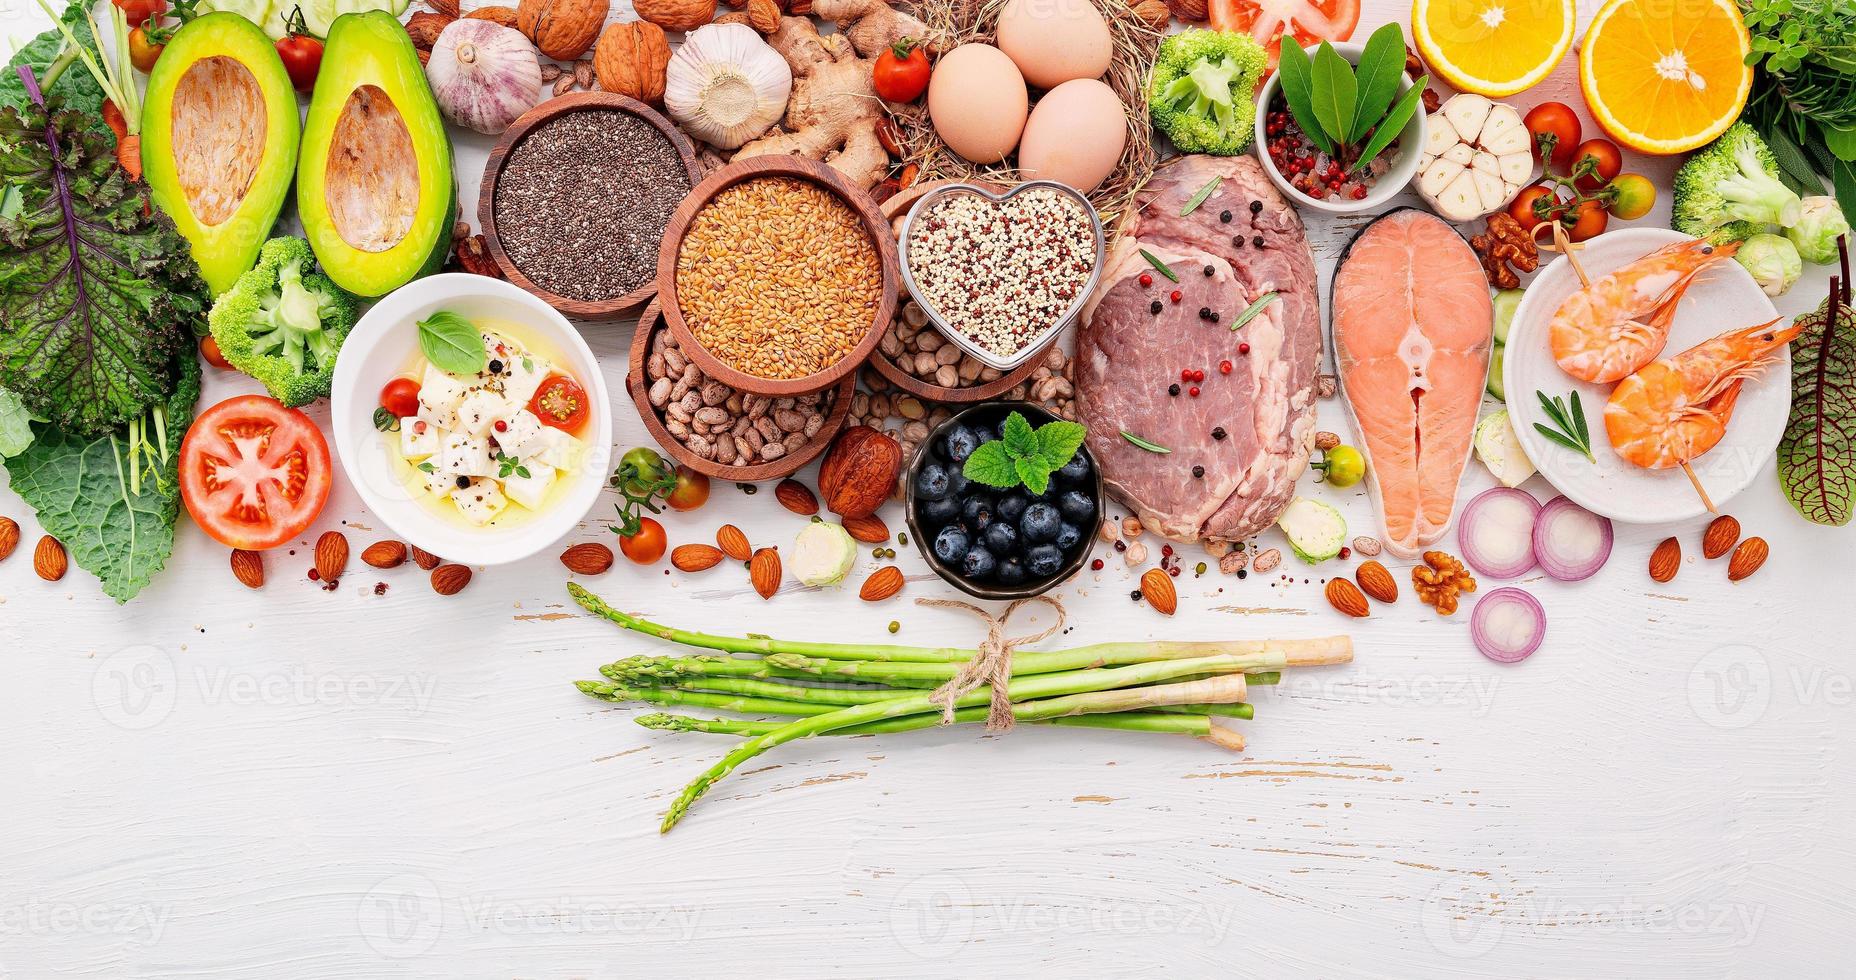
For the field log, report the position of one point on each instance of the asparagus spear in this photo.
(647, 670)
(704, 699)
(1127, 721)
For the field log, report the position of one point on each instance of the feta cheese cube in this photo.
(439, 395)
(522, 374)
(480, 502)
(553, 447)
(461, 454)
(528, 490)
(479, 410)
(419, 438)
(436, 481)
(519, 427)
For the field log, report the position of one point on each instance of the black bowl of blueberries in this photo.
(993, 543)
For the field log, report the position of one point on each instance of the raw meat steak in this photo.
(1412, 332)
(1127, 355)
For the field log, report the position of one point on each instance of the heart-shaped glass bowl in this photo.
(1043, 338)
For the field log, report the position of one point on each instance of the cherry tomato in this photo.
(901, 72)
(692, 490)
(647, 545)
(143, 52)
(138, 12)
(1632, 196)
(253, 473)
(1557, 121)
(561, 403)
(642, 468)
(209, 349)
(302, 57)
(1606, 162)
(1522, 208)
(1590, 222)
(1308, 21)
(401, 397)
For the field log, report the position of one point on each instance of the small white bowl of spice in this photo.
(1002, 274)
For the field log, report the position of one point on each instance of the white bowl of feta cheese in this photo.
(472, 418)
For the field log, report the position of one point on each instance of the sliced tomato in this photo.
(1309, 21)
(253, 473)
(560, 402)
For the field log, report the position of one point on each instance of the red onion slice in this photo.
(1570, 542)
(1496, 532)
(1507, 625)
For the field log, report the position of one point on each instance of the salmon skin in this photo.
(1413, 327)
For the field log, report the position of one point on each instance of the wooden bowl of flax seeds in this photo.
(576, 197)
(777, 277)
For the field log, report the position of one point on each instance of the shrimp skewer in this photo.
(1677, 408)
(1620, 322)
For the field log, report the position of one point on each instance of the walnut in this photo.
(630, 60)
(1505, 250)
(1439, 580)
(561, 29)
(474, 257)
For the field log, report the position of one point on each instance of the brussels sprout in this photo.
(1820, 224)
(823, 554)
(1772, 260)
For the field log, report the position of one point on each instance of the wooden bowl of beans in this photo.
(577, 195)
(714, 440)
(777, 276)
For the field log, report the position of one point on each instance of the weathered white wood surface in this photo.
(294, 783)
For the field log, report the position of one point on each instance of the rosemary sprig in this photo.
(1144, 444)
(1569, 428)
(1251, 311)
(1154, 260)
(1199, 198)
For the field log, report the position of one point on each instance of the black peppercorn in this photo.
(1242, 574)
(1224, 216)
(463, 482)
(1214, 316)
(747, 488)
(1257, 241)
(1198, 472)
(1205, 312)
(1135, 595)
(1173, 390)
(1218, 433)
(1237, 241)
(1208, 272)
(1256, 207)
(1153, 307)
(1121, 546)
(496, 367)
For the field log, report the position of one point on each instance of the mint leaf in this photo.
(1059, 441)
(452, 343)
(1020, 440)
(1033, 473)
(992, 466)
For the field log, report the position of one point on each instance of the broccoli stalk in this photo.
(1201, 90)
(1730, 190)
(284, 324)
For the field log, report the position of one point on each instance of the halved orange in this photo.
(1665, 76)
(1493, 47)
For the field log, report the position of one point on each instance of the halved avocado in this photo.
(374, 183)
(219, 141)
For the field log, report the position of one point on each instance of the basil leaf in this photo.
(1393, 124)
(1333, 93)
(992, 466)
(452, 343)
(1020, 439)
(1059, 441)
(1295, 78)
(1382, 64)
(1033, 473)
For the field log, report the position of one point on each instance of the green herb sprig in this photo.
(1569, 428)
(1151, 447)
(1197, 199)
(1025, 456)
(452, 343)
(1159, 266)
(1351, 112)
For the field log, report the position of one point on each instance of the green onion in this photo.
(1154, 261)
(1144, 444)
(1199, 198)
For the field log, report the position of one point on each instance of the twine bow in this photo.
(993, 665)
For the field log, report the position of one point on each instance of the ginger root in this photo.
(833, 112)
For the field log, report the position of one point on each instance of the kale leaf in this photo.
(75, 87)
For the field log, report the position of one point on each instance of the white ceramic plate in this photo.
(1722, 298)
(380, 347)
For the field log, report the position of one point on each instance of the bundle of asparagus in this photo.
(1165, 687)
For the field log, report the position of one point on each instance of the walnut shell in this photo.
(676, 15)
(631, 58)
(562, 29)
(859, 471)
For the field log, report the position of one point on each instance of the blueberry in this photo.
(1000, 537)
(1067, 536)
(1075, 471)
(951, 545)
(1047, 495)
(957, 482)
(1039, 524)
(931, 481)
(960, 442)
(976, 511)
(1076, 506)
(935, 513)
(1011, 507)
(1011, 572)
(1043, 561)
(979, 564)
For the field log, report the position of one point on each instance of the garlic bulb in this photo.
(483, 75)
(725, 85)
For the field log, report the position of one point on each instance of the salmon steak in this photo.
(1413, 328)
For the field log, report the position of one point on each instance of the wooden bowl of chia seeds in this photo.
(792, 279)
(639, 383)
(576, 196)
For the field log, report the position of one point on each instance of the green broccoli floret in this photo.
(283, 323)
(1730, 191)
(1203, 90)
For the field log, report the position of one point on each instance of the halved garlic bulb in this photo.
(725, 85)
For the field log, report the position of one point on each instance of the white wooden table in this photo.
(216, 782)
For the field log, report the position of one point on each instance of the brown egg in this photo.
(1054, 41)
(977, 102)
(1075, 135)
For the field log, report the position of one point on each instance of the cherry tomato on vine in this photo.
(692, 490)
(302, 57)
(1558, 121)
(209, 349)
(138, 12)
(1632, 196)
(401, 397)
(1523, 208)
(1590, 222)
(645, 545)
(143, 51)
(1606, 162)
(901, 72)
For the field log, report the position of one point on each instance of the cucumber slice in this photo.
(1315, 530)
(1505, 302)
(318, 15)
(1496, 387)
(256, 11)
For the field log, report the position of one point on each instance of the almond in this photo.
(503, 16)
(331, 555)
(1375, 581)
(733, 543)
(1157, 587)
(882, 584)
(695, 557)
(450, 579)
(1747, 558)
(764, 572)
(1720, 536)
(385, 554)
(673, 15)
(1346, 597)
(587, 558)
(1665, 560)
(424, 28)
(796, 497)
(1154, 13)
(248, 568)
(425, 559)
(1190, 11)
(9, 537)
(49, 559)
(764, 15)
(869, 530)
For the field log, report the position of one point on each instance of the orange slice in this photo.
(1662, 78)
(1493, 47)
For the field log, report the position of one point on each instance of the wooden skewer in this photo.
(1695, 481)
(1564, 245)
